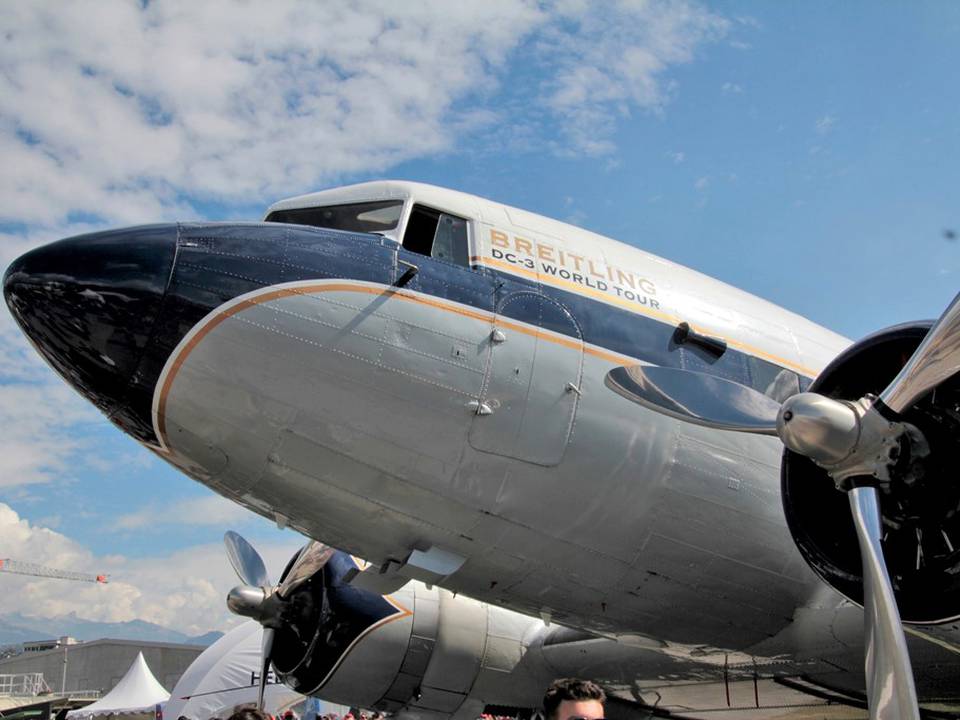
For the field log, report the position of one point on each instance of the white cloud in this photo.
(616, 60)
(22, 541)
(702, 183)
(19, 362)
(207, 510)
(184, 590)
(677, 157)
(730, 88)
(36, 444)
(119, 109)
(123, 110)
(825, 124)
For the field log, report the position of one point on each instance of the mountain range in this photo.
(16, 628)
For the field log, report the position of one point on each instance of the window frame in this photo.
(413, 203)
(388, 233)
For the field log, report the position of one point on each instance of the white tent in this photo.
(225, 675)
(137, 693)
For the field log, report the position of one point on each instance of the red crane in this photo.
(25, 568)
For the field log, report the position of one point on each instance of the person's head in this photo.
(249, 713)
(573, 699)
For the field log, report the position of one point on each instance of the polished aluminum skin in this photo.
(245, 560)
(696, 397)
(937, 359)
(380, 428)
(310, 561)
(890, 685)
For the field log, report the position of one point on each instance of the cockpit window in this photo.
(437, 234)
(359, 217)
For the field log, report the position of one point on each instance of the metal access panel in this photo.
(531, 391)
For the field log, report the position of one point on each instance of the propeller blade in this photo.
(311, 560)
(696, 397)
(890, 689)
(246, 561)
(937, 358)
(266, 647)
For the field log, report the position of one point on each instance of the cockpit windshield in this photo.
(380, 216)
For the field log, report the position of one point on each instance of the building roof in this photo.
(86, 644)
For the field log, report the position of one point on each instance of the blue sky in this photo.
(807, 152)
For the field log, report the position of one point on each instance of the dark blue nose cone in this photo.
(89, 303)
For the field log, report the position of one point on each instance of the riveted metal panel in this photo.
(533, 381)
(439, 700)
(417, 657)
(460, 642)
(404, 687)
(368, 667)
(505, 633)
(426, 617)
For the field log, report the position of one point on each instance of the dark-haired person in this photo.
(249, 713)
(573, 699)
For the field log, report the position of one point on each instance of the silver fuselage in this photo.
(310, 376)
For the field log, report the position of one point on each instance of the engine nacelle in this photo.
(920, 505)
(424, 653)
(422, 648)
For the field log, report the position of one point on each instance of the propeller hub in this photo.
(852, 441)
(820, 428)
(248, 601)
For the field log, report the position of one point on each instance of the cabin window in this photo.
(437, 234)
(380, 216)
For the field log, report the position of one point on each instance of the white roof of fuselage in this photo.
(572, 238)
(453, 201)
(472, 207)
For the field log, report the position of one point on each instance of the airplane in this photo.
(559, 455)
